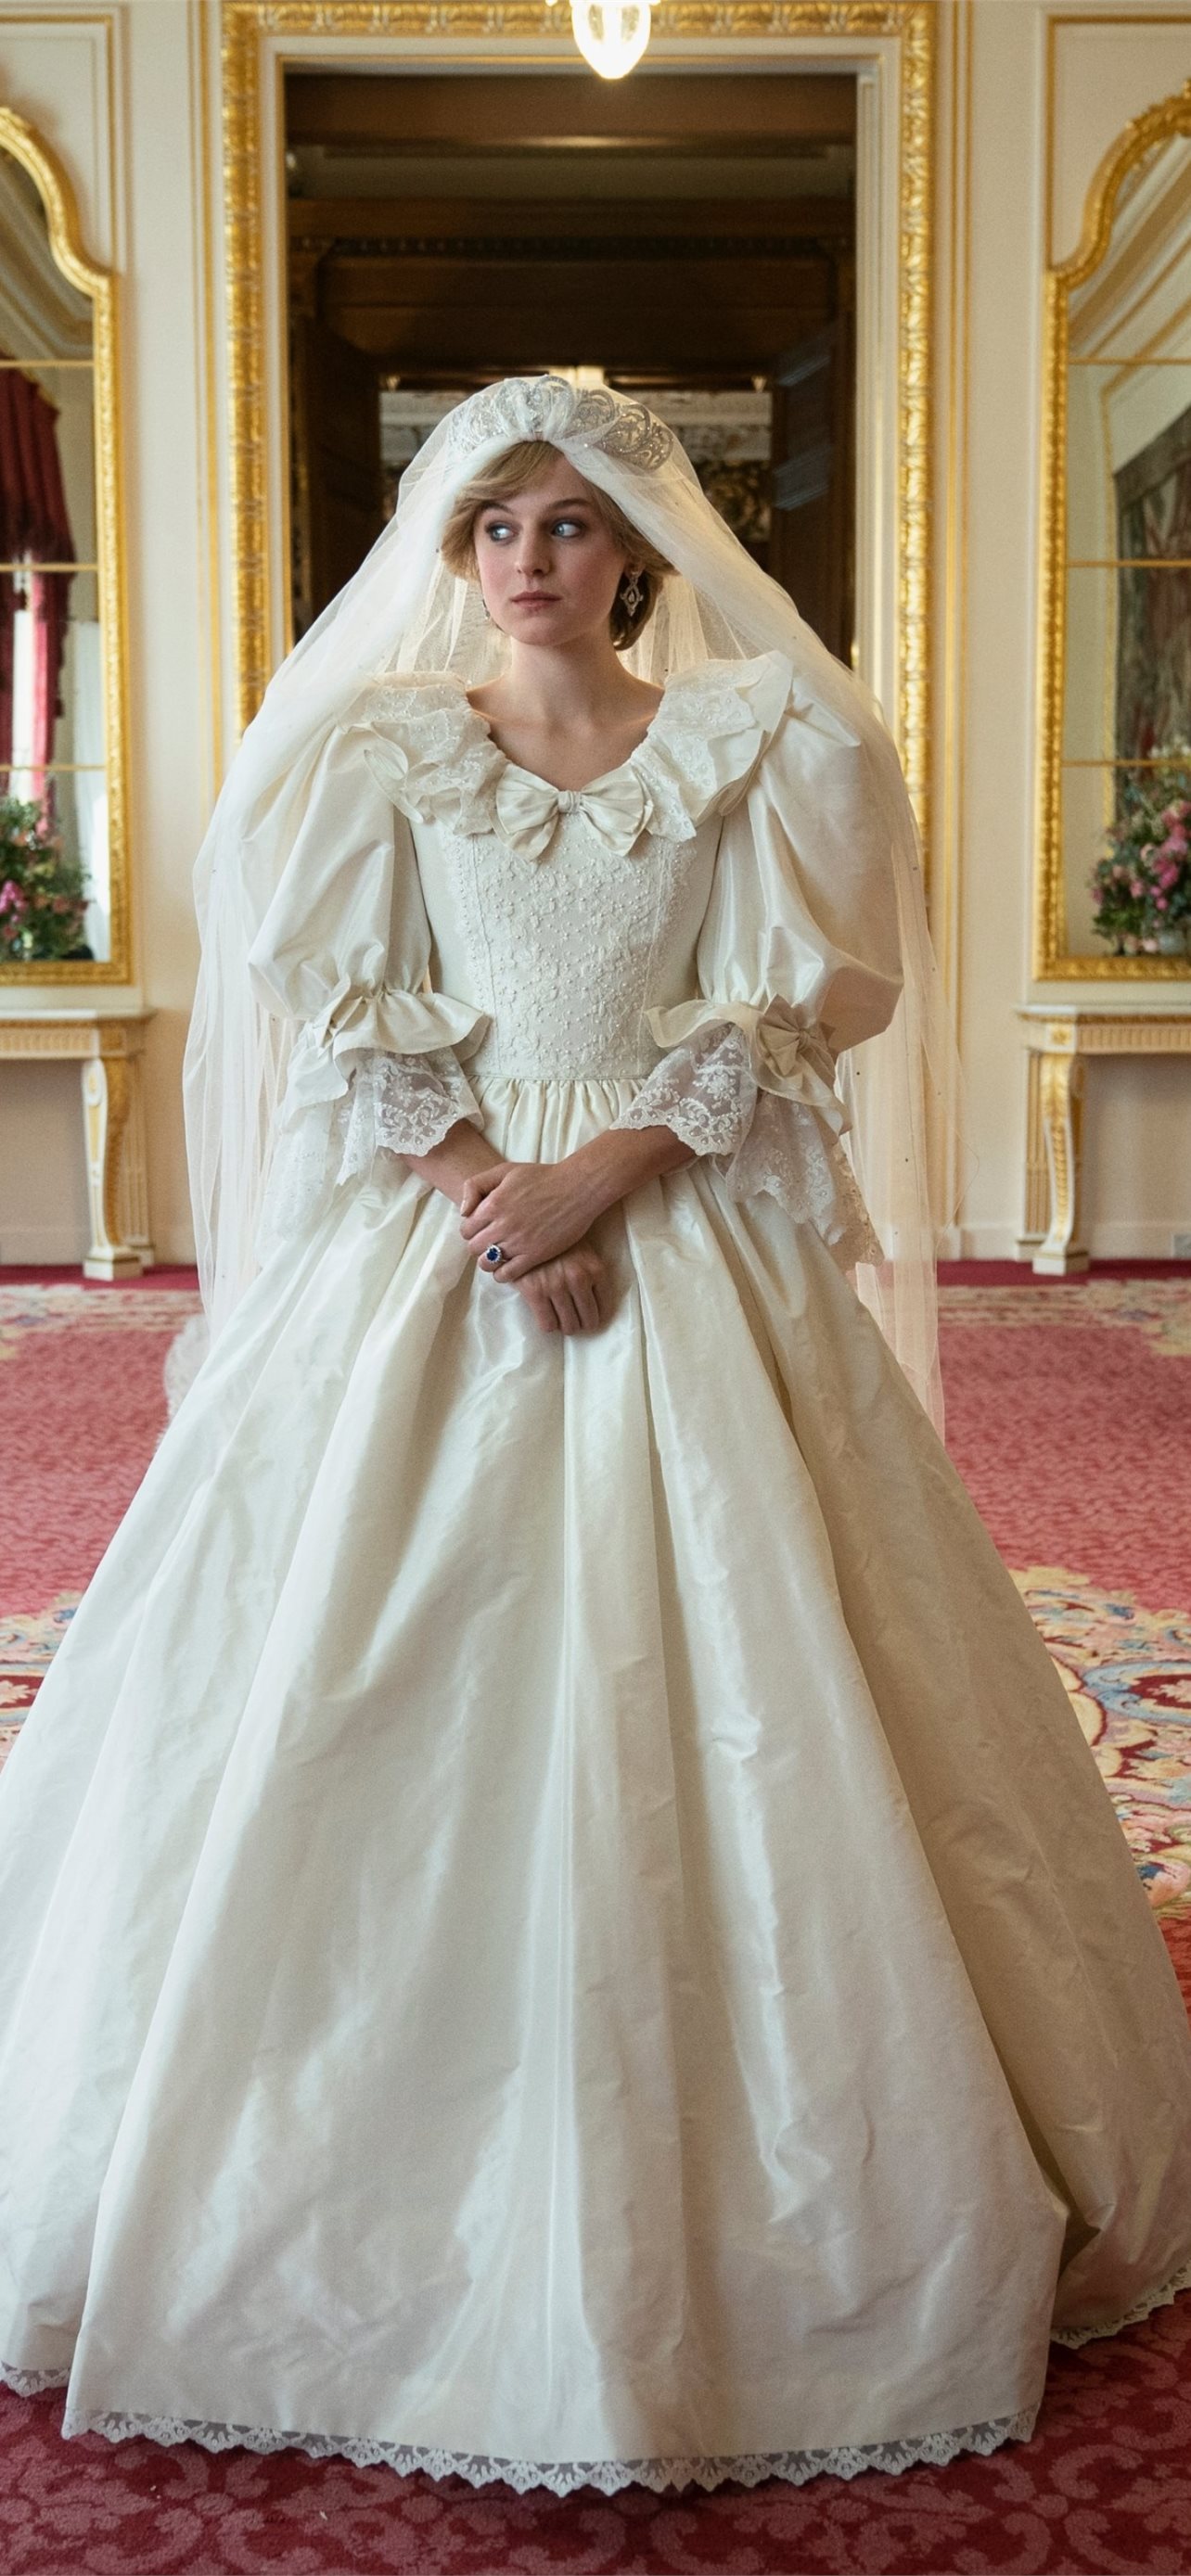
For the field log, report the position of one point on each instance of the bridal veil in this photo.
(403, 610)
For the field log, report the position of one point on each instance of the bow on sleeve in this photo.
(344, 947)
(788, 1052)
(356, 1020)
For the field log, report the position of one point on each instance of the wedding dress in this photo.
(558, 1922)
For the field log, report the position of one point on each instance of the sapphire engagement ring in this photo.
(494, 1255)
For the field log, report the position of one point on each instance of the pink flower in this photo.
(1160, 903)
(1175, 842)
(1136, 886)
(11, 898)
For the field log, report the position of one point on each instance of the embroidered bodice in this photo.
(565, 915)
(449, 921)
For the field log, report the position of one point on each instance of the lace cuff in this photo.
(761, 1140)
(787, 1050)
(705, 1090)
(405, 1103)
(790, 1156)
(396, 1104)
(357, 1022)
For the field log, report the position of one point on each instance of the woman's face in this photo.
(549, 566)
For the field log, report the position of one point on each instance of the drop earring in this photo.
(631, 594)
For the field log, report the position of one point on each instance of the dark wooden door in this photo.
(337, 488)
(810, 550)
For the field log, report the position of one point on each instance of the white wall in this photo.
(1006, 174)
(1025, 162)
(114, 93)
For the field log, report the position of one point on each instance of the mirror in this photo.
(63, 890)
(1115, 856)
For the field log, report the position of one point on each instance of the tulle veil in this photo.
(404, 610)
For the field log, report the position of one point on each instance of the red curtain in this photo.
(33, 525)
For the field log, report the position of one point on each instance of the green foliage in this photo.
(43, 893)
(1141, 888)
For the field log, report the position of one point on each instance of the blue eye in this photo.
(498, 531)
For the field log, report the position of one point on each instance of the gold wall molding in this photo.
(444, 24)
(99, 284)
(1158, 124)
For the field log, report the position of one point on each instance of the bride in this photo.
(558, 1923)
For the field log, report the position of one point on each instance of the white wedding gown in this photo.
(558, 1923)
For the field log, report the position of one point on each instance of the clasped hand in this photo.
(539, 1214)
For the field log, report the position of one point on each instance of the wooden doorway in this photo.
(689, 236)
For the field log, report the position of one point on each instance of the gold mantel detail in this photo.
(1059, 1043)
(245, 23)
(1159, 124)
(109, 1048)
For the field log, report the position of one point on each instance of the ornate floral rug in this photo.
(1069, 1418)
(1128, 1671)
(82, 1404)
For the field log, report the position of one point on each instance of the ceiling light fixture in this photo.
(611, 34)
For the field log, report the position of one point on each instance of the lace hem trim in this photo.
(31, 2383)
(1073, 2336)
(561, 2477)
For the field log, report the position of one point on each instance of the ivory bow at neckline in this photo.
(529, 810)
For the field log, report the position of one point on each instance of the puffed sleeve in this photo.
(344, 950)
(797, 960)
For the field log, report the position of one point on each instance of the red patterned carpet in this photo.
(1070, 1417)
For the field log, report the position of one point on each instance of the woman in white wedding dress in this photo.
(558, 1922)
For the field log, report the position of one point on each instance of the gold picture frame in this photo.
(246, 24)
(1051, 962)
(99, 285)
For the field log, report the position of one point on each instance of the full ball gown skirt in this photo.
(559, 1924)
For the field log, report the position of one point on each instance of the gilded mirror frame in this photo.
(21, 141)
(246, 23)
(1159, 124)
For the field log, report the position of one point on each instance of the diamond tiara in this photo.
(547, 407)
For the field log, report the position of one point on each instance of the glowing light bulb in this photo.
(611, 34)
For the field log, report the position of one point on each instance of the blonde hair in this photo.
(516, 471)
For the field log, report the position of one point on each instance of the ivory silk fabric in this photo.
(558, 1923)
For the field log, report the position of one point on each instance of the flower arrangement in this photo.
(1141, 888)
(43, 892)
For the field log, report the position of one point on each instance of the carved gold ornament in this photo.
(1159, 124)
(247, 23)
(99, 286)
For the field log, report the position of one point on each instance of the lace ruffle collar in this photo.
(434, 755)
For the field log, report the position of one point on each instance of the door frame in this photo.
(889, 44)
